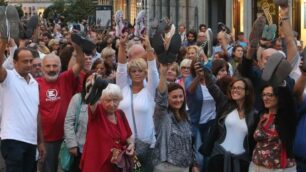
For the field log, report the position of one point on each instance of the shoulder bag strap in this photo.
(133, 115)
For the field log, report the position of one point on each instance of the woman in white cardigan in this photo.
(138, 96)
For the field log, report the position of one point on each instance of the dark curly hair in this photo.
(249, 93)
(286, 116)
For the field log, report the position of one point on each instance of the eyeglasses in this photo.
(268, 95)
(185, 68)
(136, 70)
(237, 88)
(37, 65)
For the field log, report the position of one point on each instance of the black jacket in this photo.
(223, 107)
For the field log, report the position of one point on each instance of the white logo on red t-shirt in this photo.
(52, 95)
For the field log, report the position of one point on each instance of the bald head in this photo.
(223, 38)
(265, 56)
(136, 50)
(201, 37)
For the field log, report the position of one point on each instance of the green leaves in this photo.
(73, 10)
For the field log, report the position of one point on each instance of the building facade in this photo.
(238, 15)
(32, 7)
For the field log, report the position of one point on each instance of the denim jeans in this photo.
(18, 156)
(52, 152)
(204, 131)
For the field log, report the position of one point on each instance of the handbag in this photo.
(121, 160)
(65, 158)
(141, 146)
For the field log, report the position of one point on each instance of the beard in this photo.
(51, 76)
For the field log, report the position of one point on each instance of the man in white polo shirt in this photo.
(20, 127)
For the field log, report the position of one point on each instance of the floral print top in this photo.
(269, 151)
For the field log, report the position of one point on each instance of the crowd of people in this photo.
(222, 105)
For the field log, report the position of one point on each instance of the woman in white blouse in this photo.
(138, 96)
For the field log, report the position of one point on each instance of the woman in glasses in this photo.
(275, 132)
(185, 72)
(230, 140)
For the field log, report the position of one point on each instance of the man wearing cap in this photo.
(56, 90)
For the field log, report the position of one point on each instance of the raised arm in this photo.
(8, 63)
(212, 87)
(122, 71)
(161, 98)
(196, 81)
(3, 72)
(162, 86)
(153, 76)
(122, 49)
(287, 32)
(78, 66)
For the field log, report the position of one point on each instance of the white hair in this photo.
(186, 62)
(112, 90)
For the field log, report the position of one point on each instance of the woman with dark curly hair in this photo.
(275, 132)
(231, 140)
(236, 59)
(220, 68)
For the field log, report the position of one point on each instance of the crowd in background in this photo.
(209, 110)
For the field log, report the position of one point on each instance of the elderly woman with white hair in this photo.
(107, 130)
(185, 72)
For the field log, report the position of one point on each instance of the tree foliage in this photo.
(72, 10)
(19, 10)
(3, 2)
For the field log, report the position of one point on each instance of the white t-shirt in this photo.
(208, 111)
(19, 108)
(236, 130)
(143, 102)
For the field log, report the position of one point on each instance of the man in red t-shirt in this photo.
(55, 92)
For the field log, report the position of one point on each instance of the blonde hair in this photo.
(196, 48)
(112, 90)
(139, 63)
(107, 51)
